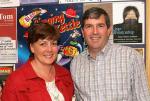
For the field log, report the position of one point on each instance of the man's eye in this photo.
(88, 26)
(99, 26)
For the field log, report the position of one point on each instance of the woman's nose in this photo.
(49, 47)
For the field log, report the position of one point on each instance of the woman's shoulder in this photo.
(17, 76)
(62, 72)
(60, 68)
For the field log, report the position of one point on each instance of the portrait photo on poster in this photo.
(129, 22)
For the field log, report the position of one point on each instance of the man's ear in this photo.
(83, 37)
(82, 32)
(109, 30)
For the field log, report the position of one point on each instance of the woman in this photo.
(0, 91)
(40, 78)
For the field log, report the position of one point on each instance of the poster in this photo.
(129, 22)
(77, 1)
(37, 1)
(66, 17)
(9, 3)
(8, 35)
(5, 70)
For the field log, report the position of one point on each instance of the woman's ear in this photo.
(31, 48)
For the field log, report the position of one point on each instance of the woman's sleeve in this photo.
(9, 92)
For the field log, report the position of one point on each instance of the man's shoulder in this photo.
(122, 47)
(79, 59)
(81, 55)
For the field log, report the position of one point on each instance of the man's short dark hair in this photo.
(95, 13)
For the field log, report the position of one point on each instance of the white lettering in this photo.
(6, 17)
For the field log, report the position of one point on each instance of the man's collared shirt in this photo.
(117, 74)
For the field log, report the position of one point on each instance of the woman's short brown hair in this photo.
(41, 31)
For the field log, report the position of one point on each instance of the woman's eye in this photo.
(54, 43)
(43, 44)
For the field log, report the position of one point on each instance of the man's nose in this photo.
(95, 30)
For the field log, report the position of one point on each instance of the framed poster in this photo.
(8, 35)
(129, 22)
(37, 1)
(77, 1)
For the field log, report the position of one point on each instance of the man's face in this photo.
(96, 33)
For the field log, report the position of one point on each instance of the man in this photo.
(105, 71)
(130, 31)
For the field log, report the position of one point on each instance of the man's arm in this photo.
(140, 83)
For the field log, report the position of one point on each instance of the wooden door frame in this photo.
(148, 40)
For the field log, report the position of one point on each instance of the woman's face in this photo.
(45, 51)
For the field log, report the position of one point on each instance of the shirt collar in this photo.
(103, 51)
(30, 73)
(106, 48)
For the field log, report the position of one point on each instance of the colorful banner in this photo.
(66, 17)
(8, 37)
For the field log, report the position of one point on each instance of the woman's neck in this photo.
(46, 72)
